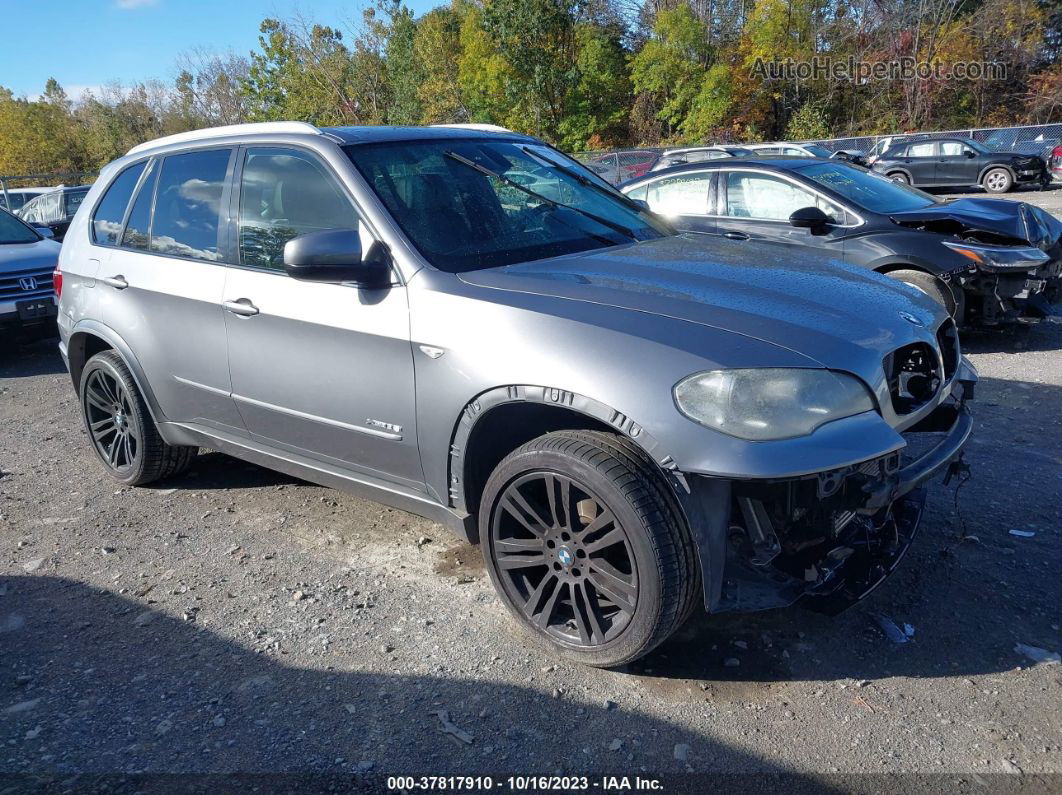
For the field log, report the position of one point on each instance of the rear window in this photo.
(188, 204)
(110, 212)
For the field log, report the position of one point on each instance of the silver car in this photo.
(632, 423)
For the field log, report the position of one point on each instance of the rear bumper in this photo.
(826, 540)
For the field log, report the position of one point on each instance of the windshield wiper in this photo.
(583, 180)
(544, 199)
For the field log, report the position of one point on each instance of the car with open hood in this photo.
(631, 422)
(988, 261)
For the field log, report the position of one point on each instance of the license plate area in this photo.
(36, 309)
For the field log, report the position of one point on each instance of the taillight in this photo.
(1056, 152)
(57, 282)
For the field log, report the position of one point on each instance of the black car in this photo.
(987, 260)
(54, 209)
(960, 162)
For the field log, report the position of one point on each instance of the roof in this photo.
(778, 162)
(343, 135)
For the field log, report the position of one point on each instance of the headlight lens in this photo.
(1006, 257)
(770, 403)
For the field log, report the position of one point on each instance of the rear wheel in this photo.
(931, 286)
(120, 427)
(997, 180)
(587, 547)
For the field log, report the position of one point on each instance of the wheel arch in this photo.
(898, 170)
(89, 338)
(497, 421)
(991, 166)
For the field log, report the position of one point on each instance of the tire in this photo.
(931, 286)
(899, 176)
(120, 428)
(605, 580)
(997, 180)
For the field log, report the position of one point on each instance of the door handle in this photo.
(117, 282)
(735, 236)
(241, 306)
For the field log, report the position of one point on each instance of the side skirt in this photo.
(323, 475)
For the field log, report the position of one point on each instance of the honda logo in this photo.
(28, 283)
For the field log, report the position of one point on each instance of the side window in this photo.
(71, 201)
(110, 212)
(770, 198)
(138, 226)
(285, 193)
(921, 150)
(685, 194)
(951, 149)
(639, 193)
(188, 204)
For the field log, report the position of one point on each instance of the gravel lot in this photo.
(234, 619)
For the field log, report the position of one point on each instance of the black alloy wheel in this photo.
(564, 559)
(111, 421)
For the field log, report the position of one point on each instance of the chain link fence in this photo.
(1039, 139)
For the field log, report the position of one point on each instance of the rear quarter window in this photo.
(110, 212)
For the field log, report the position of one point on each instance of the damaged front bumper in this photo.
(827, 539)
(995, 297)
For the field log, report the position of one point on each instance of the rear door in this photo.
(920, 161)
(684, 199)
(756, 205)
(323, 370)
(160, 285)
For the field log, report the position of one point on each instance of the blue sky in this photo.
(86, 43)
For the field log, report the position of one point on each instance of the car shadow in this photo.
(94, 683)
(39, 357)
(212, 470)
(1044, 335)
(969, 589)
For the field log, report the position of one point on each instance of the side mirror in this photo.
(970, 153)
(334, 256)
(643, 204)
(810, 218)
(45, 231)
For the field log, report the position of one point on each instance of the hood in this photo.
(988, 220)
(42, 255)
(837, 315)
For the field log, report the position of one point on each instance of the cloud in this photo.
(128, 5)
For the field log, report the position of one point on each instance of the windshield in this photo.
(818, 151)
(461, 218)
(868, 190)
(980, 147)
(12, 230)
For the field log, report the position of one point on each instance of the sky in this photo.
(87, 43)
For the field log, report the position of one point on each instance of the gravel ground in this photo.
(234, 619)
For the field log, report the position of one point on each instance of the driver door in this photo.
(322, 370)
(756, 205)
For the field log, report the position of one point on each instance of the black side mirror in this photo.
(810, 218)
(970, 153)
(45, 231)
(334, 256)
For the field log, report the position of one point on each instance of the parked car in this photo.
(620, 166)
(27, 300)
(14, 199)
(987, 261)
(853, 156)
(54, 209)
(631, 422)
(698, 154)
(960, 162)
(789, 150)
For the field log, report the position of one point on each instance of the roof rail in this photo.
(480, 127)
(229, 129)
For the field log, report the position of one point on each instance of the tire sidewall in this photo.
(649, 607)
(104, 362)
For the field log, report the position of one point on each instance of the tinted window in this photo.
(139, 224)
(71, 201)
(686, 194)
(283, 194)
(110, 212)
(188, 204)
(13, 230)
(763, 196)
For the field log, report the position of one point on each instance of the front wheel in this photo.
(997, 180)
(931, 286)
(900, 177)
(587, 547)
(120, 427)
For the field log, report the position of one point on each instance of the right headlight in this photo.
(1000, 257)
(770, 403)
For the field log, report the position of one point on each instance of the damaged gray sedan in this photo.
(632, 423)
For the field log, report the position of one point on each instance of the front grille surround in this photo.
(914, 376)
(11, 288)
(950, 350)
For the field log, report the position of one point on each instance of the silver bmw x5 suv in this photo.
(471, 326)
